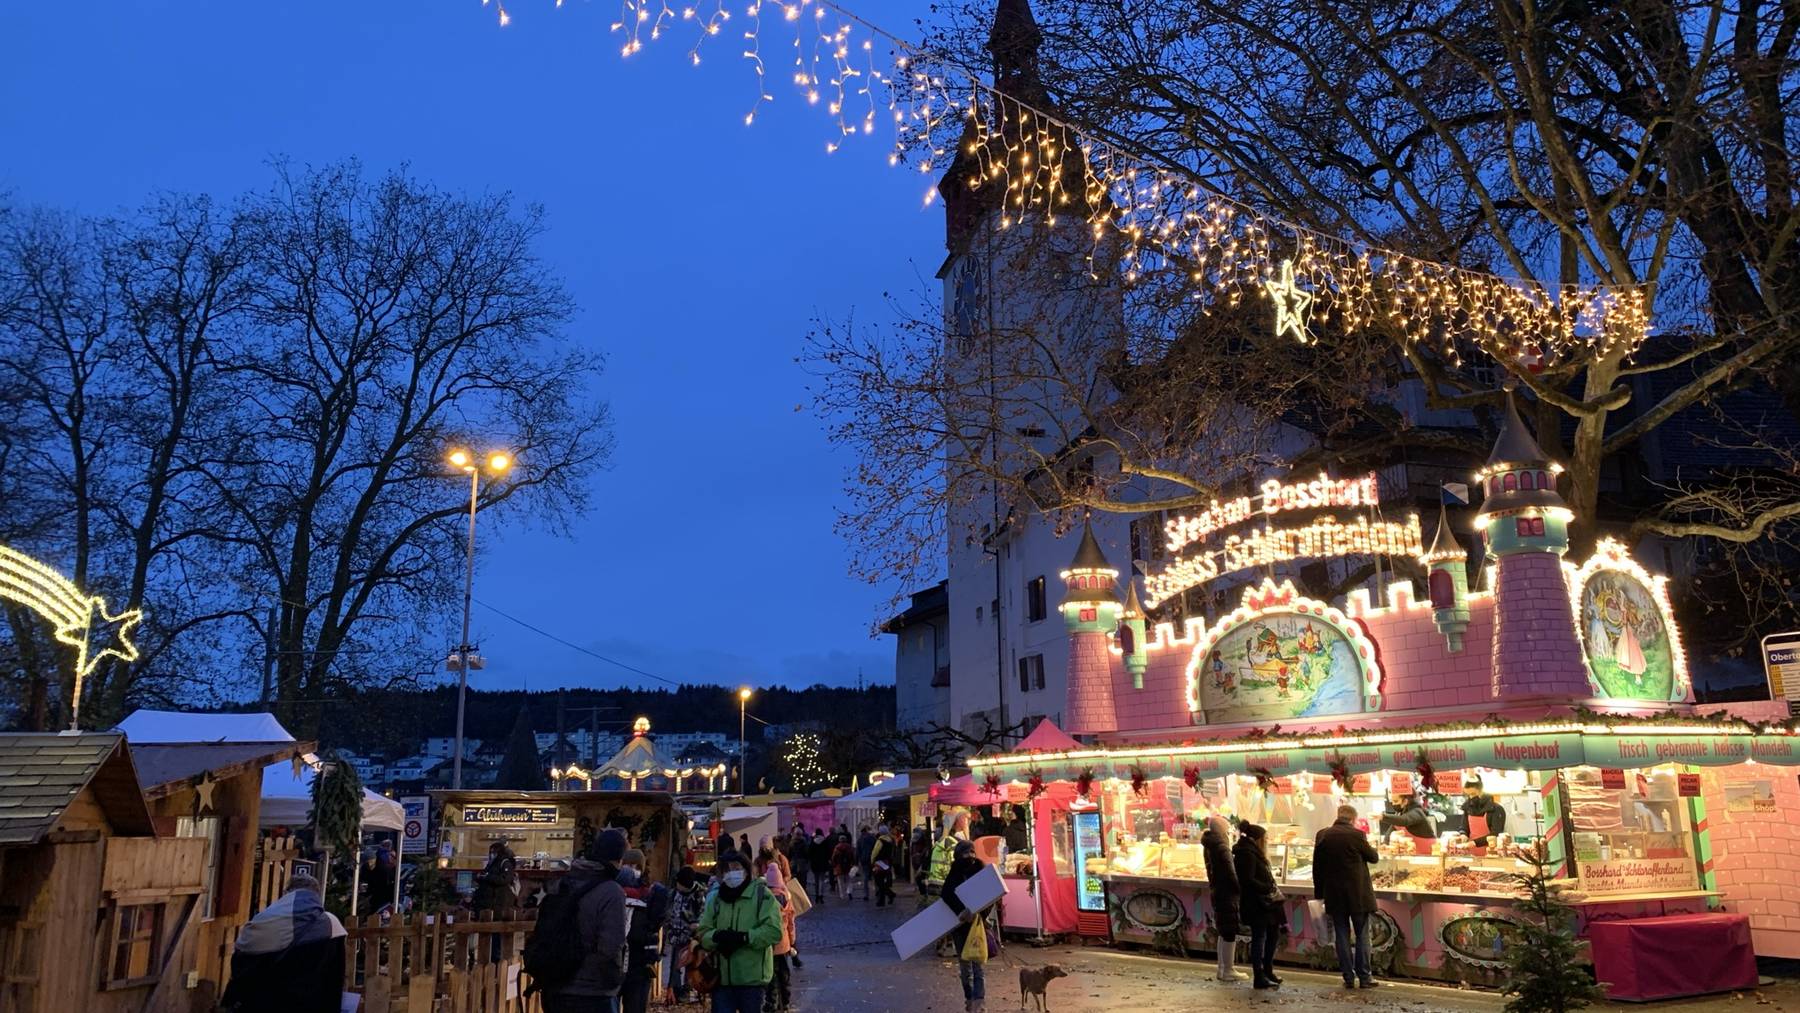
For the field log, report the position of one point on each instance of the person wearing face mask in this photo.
(649, 906)
(742, 924)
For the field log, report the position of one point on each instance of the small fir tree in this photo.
(1542, 973)
(337, 820)
(520, 768)
(432, 892)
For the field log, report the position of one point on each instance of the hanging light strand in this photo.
(1142, 219)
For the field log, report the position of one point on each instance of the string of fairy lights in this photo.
(1141, 218)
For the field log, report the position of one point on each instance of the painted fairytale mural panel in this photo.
(1626, 638)
(1280, 665)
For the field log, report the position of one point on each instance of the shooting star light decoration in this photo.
(77, 619)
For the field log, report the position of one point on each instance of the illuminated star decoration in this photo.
(1291, 303)
(78, 620)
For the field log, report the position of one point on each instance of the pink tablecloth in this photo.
(1673, 955)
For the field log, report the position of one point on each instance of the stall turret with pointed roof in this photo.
(1091, 612)
(1131, 636)
(1449, 580)
(1537, 651)
(1519, 485)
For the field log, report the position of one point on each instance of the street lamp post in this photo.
(743, 702)
(497, 463)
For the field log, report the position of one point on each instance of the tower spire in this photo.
(1526, 526)
(1090, 611)
(1025, 154)
(1014, 42)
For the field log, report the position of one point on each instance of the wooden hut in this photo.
(211, 791)
(90, 898)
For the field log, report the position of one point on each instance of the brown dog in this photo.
(1033, 982)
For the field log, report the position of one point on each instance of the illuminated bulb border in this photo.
(1270, 599)
(1611, 554)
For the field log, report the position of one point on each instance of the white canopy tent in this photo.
(753, 821)
(864, 804)
(286, 795)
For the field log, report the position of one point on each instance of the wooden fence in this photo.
(426, 964)
(274, 865)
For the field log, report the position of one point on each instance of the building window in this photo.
(1031, 673)
(1527, 526)
(1511, 482)
(136, 945)
(1527, 481)
(978, 615)
(1147, 537)
(1443, 590)
(1035, 607)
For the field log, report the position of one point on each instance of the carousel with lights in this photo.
(1544, 705)
(637, 766)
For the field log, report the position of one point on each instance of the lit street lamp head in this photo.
(744, 693)
(498, 462)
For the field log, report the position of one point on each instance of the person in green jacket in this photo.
(742, 924)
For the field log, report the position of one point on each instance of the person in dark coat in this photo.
(818, 855)
(1262, 903)
(1405, 813)
(1341, 859)
(496, 889)
(1222, 886)
(602, 920)
(1477, 802)
(795, 846)
(964, 864)
(381, 875)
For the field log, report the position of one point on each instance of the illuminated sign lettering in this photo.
(1276, 496)
(1324, 537)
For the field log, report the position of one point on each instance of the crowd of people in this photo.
(731, 931)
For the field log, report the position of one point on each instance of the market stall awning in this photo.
(1047, 738)
(864, 804)
(1592, 740)
(164, 768)
(287, 786)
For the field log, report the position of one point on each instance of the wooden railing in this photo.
(426, 964)
(273, 867)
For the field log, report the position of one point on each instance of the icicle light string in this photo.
(1146, 218)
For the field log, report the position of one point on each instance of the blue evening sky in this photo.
(698, 249)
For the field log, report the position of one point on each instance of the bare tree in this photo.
(393, 322)
(210, 413)
(108, 361)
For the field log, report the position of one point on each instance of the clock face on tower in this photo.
(965, 303)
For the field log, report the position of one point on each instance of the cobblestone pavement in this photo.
(850, 966)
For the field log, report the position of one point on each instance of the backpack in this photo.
(554, 953)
